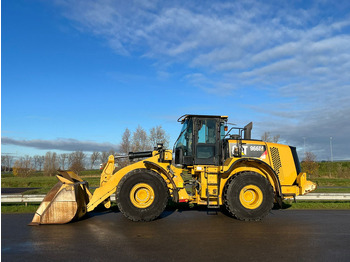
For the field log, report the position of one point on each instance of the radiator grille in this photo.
(276, 160)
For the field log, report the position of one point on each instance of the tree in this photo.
(50, 164)
(94, 156)
(309, 164)
(6, 163)
(62, 160)
(3, 165)
(267, 137)
(77, 161)
(23, 166)
(158, 135)
(125, 146)
(140, 141)
(111, 152)
(38, 162)
(104, 157)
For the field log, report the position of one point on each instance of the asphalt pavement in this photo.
(189, 235)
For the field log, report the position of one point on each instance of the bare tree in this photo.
(77, 161)
(94, 156)
(50, 164)
(104, 157)
(140, 141)
(41, 162)
(309, 164)
(158, 135)
(125, 146)
(276, 138)
(6, 163)
(70, 160)
(111, 152)
(3, 159)
(23, 166)
(267, 137)
(37, 162)
(63, 158)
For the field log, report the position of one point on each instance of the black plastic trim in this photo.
(153, 165)
(296, 159)
(274, 175)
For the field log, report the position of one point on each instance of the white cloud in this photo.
(299, 54)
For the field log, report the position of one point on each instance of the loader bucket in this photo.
(65, 202)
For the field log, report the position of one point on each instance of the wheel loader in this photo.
(207, 166)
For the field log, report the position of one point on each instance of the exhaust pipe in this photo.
(248, 131)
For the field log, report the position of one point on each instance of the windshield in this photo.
(185, 138)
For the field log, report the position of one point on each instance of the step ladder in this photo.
(213, 188)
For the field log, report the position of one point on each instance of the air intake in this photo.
(276, 161)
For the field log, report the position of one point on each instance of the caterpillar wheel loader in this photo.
(208, 166)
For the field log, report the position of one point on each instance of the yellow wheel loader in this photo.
(208, 166)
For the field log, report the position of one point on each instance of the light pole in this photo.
(304, 147)
(330, 142)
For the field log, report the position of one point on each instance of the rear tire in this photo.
(248, 196)
(142, 195)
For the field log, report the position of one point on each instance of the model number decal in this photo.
(257, 148)
(249, 150)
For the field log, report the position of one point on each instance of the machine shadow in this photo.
(172, 208)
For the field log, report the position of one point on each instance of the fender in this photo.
(267, 167)
(149, 164)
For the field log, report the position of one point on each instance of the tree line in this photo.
(139, 140)
(136, 141)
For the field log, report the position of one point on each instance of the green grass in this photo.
(317, 205)
(334, 169)
(334, 182)
(18, 208)
(42, 181)
(332, 190)
(33, 181)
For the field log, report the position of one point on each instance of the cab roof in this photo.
(184, 117)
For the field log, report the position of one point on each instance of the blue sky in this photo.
(75, 74)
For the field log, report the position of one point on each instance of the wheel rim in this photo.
(251, 197)
(142, 195)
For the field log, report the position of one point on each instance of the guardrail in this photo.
(17, 198)
(325, 196)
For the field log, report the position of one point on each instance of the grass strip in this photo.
(18, 208)
(41, 181)
(317, 205)
(332, 190)
(334, 182)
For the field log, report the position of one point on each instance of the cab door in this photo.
(207, 141)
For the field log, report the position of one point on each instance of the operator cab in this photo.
(200, 140)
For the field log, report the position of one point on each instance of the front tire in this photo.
(248, 196)
(142, 195)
